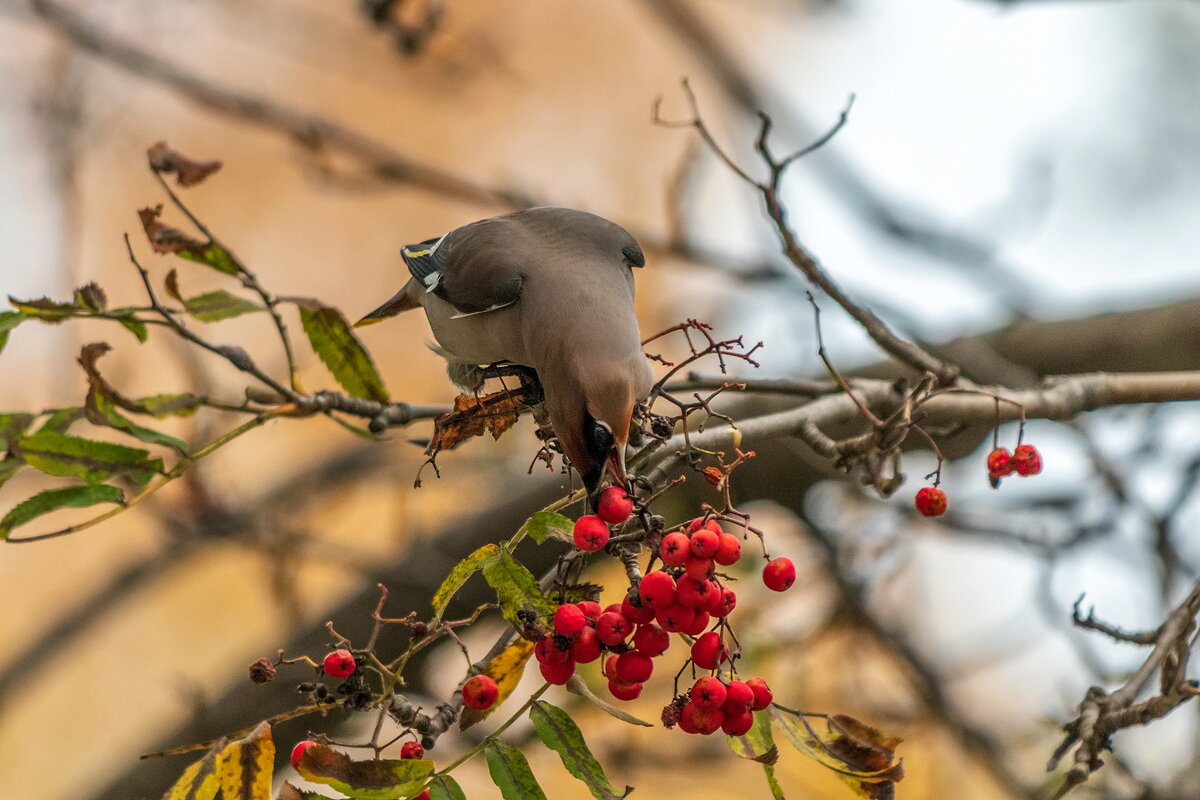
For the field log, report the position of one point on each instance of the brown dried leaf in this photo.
(187, 172)
(473, 416)
(163, 238)
(859, 754)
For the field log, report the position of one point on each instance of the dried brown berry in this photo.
(262, 671)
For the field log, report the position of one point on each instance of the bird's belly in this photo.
(478, 339)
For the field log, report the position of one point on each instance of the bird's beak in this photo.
(616, 465)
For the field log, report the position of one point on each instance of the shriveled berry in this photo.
(585, 648)
(339, 664)
(634, 667)
(624, 691)
(590, 533)
(569, 620)
(613, 628)
(708, 650)
(1028, 460)
(298, 751)
(656, 590)
(262, 671)
(480, 691)
(737, 722)
(412, 750)
(674, 549)
(728, 551)
(1000, 463)
(779, 574)
(614, 506)
(557, 674)
(762, 694)
(639, 615)
(738, 693)
(931, 501)
(704, 543)
(651, 639)
(708, 692)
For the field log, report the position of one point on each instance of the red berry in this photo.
(590, 532)
(762, 694)
(624, 691)
(704, 543)
(686, 723)
(639, 615)
(610, 668)
(657, 590)
(569, 620)
(412, 750)
(708, 650)
(708, 692)
(1028, 460)
(634, 667)
(298, 751)
(737, 722)
(779, 574)
(480, 691)
(931, 501)
(547, 651)
(675, 618)
(722, 604)
(340, 664)
(613, 628)
(700, 719)
(699, 623)
(999, 463)
(614, 505)
(700, 522)
(591, 609)
(729, 550)
(424, 795)
(697, 566)
(558, 674)
(738, 693)
(691, 592)
(651, 640)
(674, 549)
(585, 648)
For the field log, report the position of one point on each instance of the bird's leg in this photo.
(531, 385)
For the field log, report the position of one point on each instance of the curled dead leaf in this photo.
(473, 416)
(187, 172)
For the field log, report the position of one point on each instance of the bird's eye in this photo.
(599, 438)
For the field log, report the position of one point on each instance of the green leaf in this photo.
(559, 732)
(43, 309)
(219, 305)
(511, 773)
(61, 419)
(199, 781)
(134, 326)
(8, 321)
(12, 427)
(459, 575)
(245, 767)
(758, 744)
(168, 405)
(544, 524)
(444, 787)
(516, 589)
(54, 499)
(341, 351)
(366, 780)
(212, 255)
(9, 466)
(101, 411)
(289, 791)
(95, 462)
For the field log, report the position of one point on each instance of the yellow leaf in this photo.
(244, 767)
(506, 669)
(199, 781)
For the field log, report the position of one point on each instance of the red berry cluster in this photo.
(713, 704)
(612, 508)
(1024, 461)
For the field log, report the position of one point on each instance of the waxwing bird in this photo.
(550, 289)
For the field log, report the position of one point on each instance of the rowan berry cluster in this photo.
(1025, 460)
(728, 706)
(613, 507)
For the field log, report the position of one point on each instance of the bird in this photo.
(548, 289)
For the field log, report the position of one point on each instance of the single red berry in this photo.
(685, 721)
(613, 628)
(999, 463)
(700, 522)
(624, 691)
(585, 647)
(591, 609)
(614, 505)
(931, 501)
(651, 639)
(557, 674)
(590, 533)
(634, 667)
(704, 720)
(737, 722)
(610, 668)
(1028, 460)
(412, 750)
(723, 603)
(697, 566)
(657, 590)
(639, 615)
(779, 574)
(762, 694)
(699, 623)
(548, 651)
(708, 650)
(708, 692)
(691, 592)
(729, 550)
(480, 691)
(704, 543)
(675, 618)
(738, 693)
(674, 549)
(339, 664)
(298, 751)
(569, 620)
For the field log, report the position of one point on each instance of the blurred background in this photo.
(1018, 185)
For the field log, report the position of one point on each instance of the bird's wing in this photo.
(477, 268)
